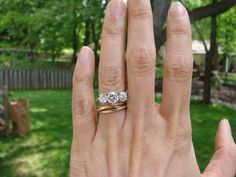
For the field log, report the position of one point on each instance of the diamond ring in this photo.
(112, 98)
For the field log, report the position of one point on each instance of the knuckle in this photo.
(82, 106)
(179, 69)
(77, 164)
(140, 9)
(183, 140)
(179, 141)
(142, 60)
(138, 139)
(81, 77)
(169, 141)
(111, 76)
(178, 29)
(76, 170)
(114, 29)
(138, 14)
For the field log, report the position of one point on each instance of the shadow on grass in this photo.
(45, 151)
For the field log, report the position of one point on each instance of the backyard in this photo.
(45, 151)
(41, 46)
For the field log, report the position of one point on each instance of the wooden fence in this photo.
(30, 79)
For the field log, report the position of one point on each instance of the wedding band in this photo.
(112, 98)
(111, 109)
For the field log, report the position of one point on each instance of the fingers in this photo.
(112, 78)
(83, 106)
(223, 162)
(111, 68)
(112, 63)
(177, 65)
(141, 54)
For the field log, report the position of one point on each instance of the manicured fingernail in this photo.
(118, 8)
(177, 9)
(84, 54)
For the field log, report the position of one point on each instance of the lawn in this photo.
(45, 151)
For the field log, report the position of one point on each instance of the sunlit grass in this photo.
(45, 151)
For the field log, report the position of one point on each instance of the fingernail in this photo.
(84, 54)
(117, 8)
(177, 9)
(227, 126)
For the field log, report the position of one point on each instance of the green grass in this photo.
(45, 151)
(205, 119)
(159, 73)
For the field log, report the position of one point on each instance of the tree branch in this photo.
(198, 14)
(211, 10)
(160, 10)
(201, 37)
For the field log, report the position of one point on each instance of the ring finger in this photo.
(112, 64)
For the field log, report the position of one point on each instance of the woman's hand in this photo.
(146, 140)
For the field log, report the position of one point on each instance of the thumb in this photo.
(223, 162)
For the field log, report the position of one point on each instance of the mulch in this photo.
(225, 93)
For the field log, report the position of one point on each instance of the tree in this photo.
(209, 58)
(160, 9)
(227, 32)
(212, 10)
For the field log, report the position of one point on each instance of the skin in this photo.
(146, 140)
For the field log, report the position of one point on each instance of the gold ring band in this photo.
(112, 109)
(104, 107)
(109, 111)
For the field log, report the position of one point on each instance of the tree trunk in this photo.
(75, 44)
(87, 33)
(208, 60)
(31, 53)
(215, 9)
(53, 56)
(160, 10)
(96, 44)
(75, 41)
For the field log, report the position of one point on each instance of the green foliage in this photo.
(195, 4)
(159, 73)
(47, 25)
(227, 32)
(45, 151)
(217, 79)
(230, 79)
(226, 25)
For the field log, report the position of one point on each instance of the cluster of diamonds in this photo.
(112, 98)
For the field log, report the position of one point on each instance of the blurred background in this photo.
(38, 45)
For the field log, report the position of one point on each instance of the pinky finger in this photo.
(83, 104)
